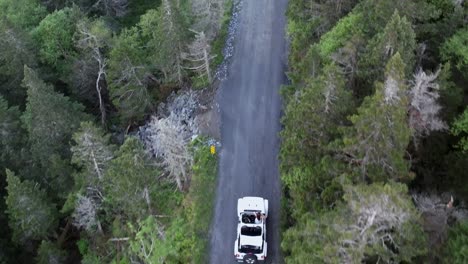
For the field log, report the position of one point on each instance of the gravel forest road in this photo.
(250, 106)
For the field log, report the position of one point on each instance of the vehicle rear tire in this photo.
(250, 259)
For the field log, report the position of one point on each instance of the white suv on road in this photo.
(251, 246)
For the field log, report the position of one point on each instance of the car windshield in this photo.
(250, 249)
(251, 231)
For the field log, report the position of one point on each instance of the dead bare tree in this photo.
(94, 41)
(438, 213)
(199, 55)
(85, 214)
(170, 139)
(208, 16)
(424, 108)
(330, 92)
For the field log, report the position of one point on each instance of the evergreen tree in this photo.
(50, 119)
(128, 82)
(312, 117)
(376, 222)
(12, 139)
(130, 181)
(31, 215)
(379, 12)
(311, 121)
(49, 253)
(397, 37)
(376, 143)
(16, 50)
(166, 32)
(23, 14)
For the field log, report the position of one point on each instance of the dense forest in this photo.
(374, 146)
(78, 184)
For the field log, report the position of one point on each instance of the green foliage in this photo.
(130, 181)
(460, 128)
(220, 39)
(199, 202)
(137, 8)
(309, 20)
(164, 32)
(55, 37)
(455, 49)
(43, 141)
(31, 215)
(185, 238)
(148, 243)
(50, 119)
(16, 50)
(12, 140)
(376, 221)
(49, 253)
(301, 35)
(378, 139)
(127, 71)
(456, 250)
(23, 14)
(379, 12)
(312, 118)
(397, 37)
(346, 28)
(376, 47)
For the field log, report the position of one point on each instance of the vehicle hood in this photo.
(251, 203)
(251, 240)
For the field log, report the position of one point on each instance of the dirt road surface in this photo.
(249, 104)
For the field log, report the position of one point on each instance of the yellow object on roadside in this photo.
(212, 149)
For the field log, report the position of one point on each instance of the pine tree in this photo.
(31, 215)
(311, 121)
(376, 144)
(397, 37)
(50, 119)
(130, 181)
(49, 253)
(13, 136)
(128, 82)
(166, 31)
(375, 221)
(313, 115)
(16, 50)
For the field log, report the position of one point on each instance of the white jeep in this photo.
(251, 246)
